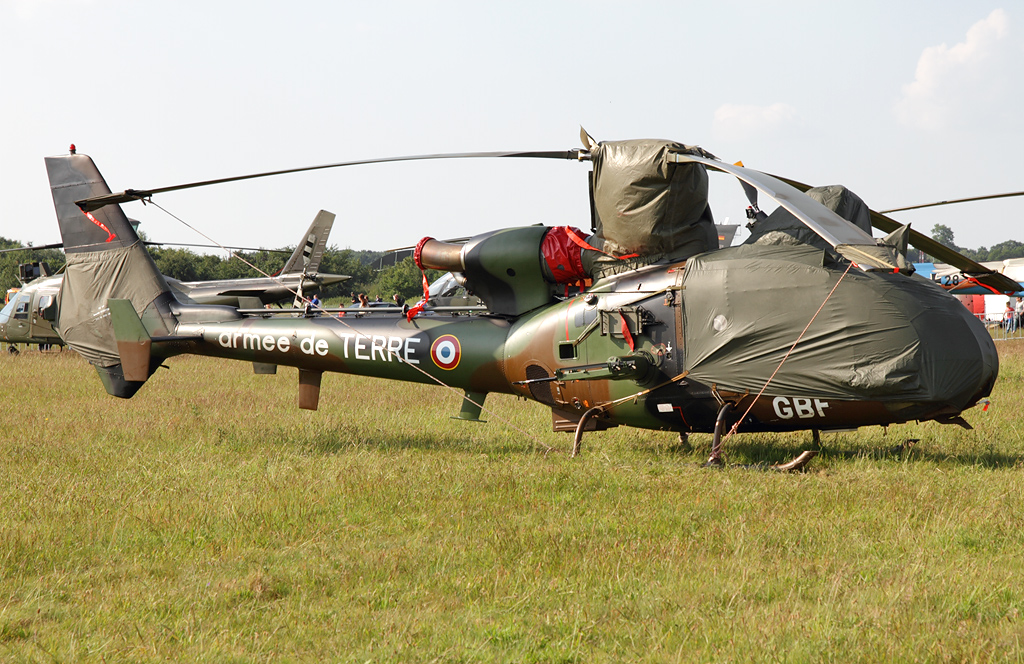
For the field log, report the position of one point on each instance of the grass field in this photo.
(209, 519)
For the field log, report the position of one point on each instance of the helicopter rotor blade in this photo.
(826, 224)
(955, 200)
(214, 246)
(96, 202)
(58, 245)
(932, 247)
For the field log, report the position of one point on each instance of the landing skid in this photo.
(795, 465)
(715, 460)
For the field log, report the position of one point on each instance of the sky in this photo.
(903, 102)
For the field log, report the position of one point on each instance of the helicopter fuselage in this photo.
(560, 355)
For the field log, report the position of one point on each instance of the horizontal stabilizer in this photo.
(249, 302)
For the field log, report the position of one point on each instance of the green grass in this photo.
(209, 519)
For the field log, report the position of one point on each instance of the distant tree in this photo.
(249, 265)
(944, 234)
(403, 278)
(207, 266)
(180, 264)
(1004, 250)
(998, 252)
(346, 261)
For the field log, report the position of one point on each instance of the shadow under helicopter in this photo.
(344, 439)
(758, 453)
(753, 452)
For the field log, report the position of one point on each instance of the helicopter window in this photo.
(21, 306)
(44, 301)
(5, 313)
(444, 286)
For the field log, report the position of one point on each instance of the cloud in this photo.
(952, 84)
(740, 121)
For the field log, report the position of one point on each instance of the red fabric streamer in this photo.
(584, 245)
(110, 236)
(422, 303)
(625, 331)
(417, 257)
(974, 281)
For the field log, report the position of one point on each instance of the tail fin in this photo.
(309, 252)
(105, 260)
(74, 177)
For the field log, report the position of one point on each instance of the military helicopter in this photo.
(23, 318)
(953, 281)
(27, 318)
(813, 325)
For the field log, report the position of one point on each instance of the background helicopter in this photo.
(954, 281)
(818, 328)
(22, 318)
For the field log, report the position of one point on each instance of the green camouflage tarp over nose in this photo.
(879, 336)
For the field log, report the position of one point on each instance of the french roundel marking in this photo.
(446, 352)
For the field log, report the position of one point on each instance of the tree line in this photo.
(998, 252)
